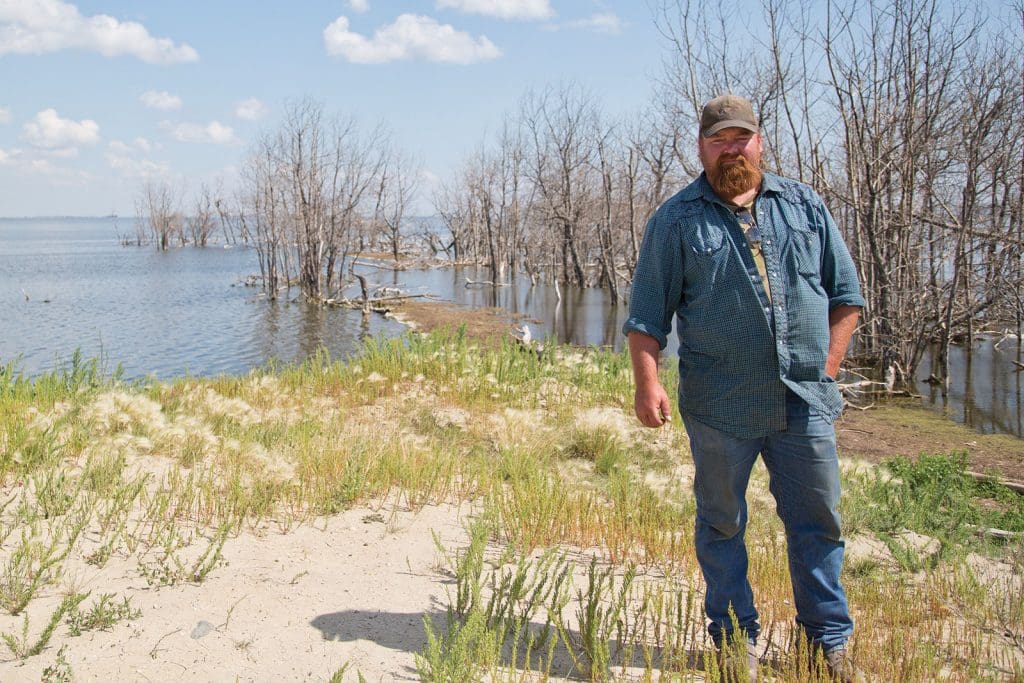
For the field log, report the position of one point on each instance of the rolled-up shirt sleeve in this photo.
(657, 280)
(838, 271)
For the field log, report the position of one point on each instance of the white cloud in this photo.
(359, 5)
(137, 145)
(49, 131)
(213, 133)
(5, 115)
(62, 153)
(41, 26)
(38, 162)
(123, 158)
(604, 22)
(130, 167)
(502, 9)
(410, 37)
(118, 147)
(162, 100)
(251, 109)
(59, 176)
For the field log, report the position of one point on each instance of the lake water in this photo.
(67, 284)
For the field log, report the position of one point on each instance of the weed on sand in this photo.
(580, 561)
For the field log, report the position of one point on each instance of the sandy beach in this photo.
(297, 606)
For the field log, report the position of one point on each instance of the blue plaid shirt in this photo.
(738, 349)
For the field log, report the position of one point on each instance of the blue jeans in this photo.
(804, 479)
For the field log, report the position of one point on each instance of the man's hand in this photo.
(652, 405)
(651, 402)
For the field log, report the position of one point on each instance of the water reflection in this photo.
(985, 386)
(585, 317)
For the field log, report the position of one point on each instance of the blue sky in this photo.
(100, 94)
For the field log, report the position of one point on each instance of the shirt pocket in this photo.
(707, 241)
(707, 257)
(805, 251)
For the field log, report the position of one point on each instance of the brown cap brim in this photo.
(732, 123)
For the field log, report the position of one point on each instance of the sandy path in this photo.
(286, 607)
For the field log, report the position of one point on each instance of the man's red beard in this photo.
(732, 179)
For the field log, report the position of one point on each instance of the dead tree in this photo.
(203, 221)
(396, 190)
(157, 206)
(561, 124)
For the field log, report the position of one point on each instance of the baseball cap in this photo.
(727, 111)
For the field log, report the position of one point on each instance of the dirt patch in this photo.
(481, 323)
(907, 428)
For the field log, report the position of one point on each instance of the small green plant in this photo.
(600, 445)
(54, 493)
(31, 566)
(599, 618)
(339, 675)
(103, 614)
(169, 569)
(468, 566)
(460, 654)
(20, 646)
(211, 557)
(60, 671)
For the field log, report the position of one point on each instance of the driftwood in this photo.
(374, 302)
(872, 388)
(997, 534)
(1012, 485)
(482, 283)
(371, 264)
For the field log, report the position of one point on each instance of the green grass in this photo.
(104, 613)
(580, 559)
(932, 495)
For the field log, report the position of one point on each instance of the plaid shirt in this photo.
(738, 350)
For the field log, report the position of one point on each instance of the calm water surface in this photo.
(67, 284)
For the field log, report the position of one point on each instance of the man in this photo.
(766, 300)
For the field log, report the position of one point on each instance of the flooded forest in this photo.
(904, 115)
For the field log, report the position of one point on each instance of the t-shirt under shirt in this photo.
(747, 220)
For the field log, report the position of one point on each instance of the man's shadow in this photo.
(405, 632)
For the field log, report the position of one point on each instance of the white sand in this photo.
(285, 607)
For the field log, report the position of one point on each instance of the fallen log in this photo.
(484, 283)
(997, 534)
(1012, 485)
(362, 303)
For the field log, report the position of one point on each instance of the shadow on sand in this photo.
(405, 632)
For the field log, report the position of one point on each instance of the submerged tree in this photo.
(564, 191)
(158, 212)
(317, 189)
